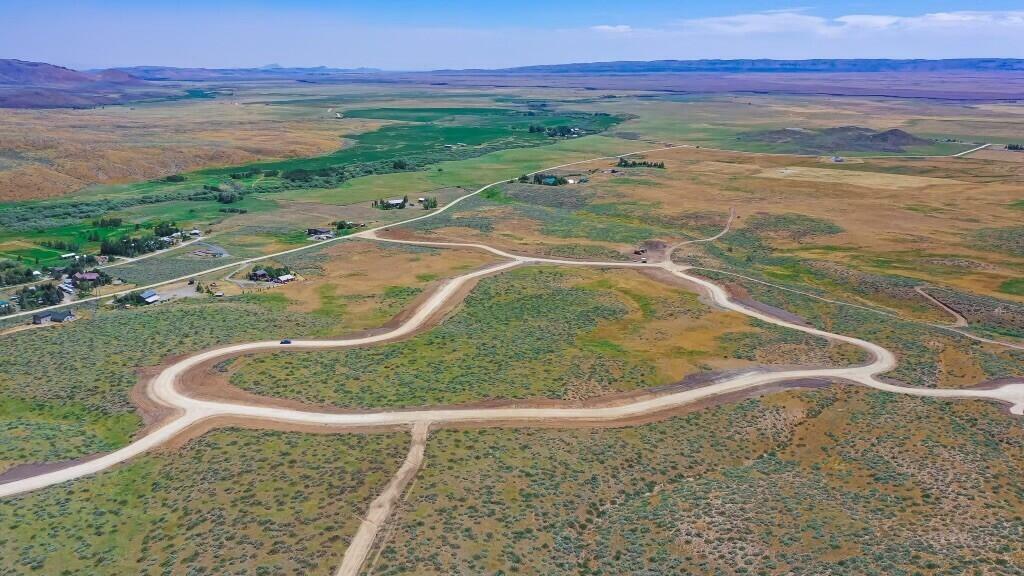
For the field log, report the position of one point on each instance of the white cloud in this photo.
(797, 21)
(755, 23)
(612, 29)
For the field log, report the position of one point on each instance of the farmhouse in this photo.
(41, 317)
(150, 296)
(398, 203)
(260, 275)
(86, 277)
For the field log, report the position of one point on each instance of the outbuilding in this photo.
(285, 278)
(150, 296)
(62, 316)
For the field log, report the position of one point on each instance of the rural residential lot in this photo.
(418, 324)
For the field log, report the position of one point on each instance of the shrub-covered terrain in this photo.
(231, 502)
(831, 481)
(538, 332)
(64, 390)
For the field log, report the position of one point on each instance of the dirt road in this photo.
(361, 544)
(163, 389)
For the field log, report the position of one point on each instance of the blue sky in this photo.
(407, 35)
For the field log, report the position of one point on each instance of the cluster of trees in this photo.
(174, 178)
(303, 175)
(228, 196)
(383, 204)
(62, 245)
(129, 246)
(1015, 147)
(545, 179)
(32, 297)
(165, 229)
(623, 163)
(429, 203)
(108, 223)
(12, 272)
(129, 299)
(554, 131)
(272, 271)
(241, 175)
(401, 164)
(233, 210)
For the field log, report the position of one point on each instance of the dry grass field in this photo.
(50, 153)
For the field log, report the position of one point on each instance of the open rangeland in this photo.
(758, 352)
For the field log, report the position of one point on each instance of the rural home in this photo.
(399, 203)
(86, 277)
(260, 275)
(53, 316)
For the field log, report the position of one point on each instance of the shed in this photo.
(150, 296)
(285, 278)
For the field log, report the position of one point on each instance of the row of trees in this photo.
(623, 163)
(62, 245)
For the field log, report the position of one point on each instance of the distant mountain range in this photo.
(791, 66)
(22, 73)
(39, 85)
(271, 72)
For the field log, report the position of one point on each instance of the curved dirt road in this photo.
(163, 389)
